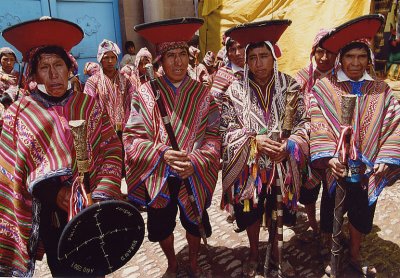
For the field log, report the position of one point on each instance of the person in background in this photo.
(231, 71)
(322, 64)
(91, 68)
(130, 56)
(8, 76)
(112, 88)
(143, 58)
(205, 70)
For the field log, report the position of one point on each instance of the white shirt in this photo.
(342, 77)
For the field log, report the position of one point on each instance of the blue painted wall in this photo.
(98, 18)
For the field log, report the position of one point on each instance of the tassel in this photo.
(246, 207)
(253, 151)
(263, 174)
(255, 200)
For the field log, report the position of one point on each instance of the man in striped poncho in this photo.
(251, 111)
(154, 170)
(321, 65)
(373, 156)
(37, 157)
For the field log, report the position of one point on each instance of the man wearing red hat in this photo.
(155, 172)
(321, 65)
(251, 112)
(373, 156)
(37, 157)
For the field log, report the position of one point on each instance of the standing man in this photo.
(155, 172)
(113, 90)
(251, 111)
(231, 71)
(321, 65)
(37, 156)
(374, 155)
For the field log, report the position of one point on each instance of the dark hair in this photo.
(4, 53)
(129, 44)
(355, 45)
(256, 45)
(51, 49)
(229, 43)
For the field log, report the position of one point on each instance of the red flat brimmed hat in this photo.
(44, 31)
(268, 30)
(358, 29)
(171, 30)
(171, 33)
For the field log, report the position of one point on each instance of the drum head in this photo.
(101, 238)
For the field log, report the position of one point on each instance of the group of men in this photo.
(263, 124)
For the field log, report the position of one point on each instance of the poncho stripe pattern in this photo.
(378, 132)
(195, 121)
(38, 141)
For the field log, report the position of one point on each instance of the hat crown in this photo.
(171, 30)
(360, 28)
(267, 30)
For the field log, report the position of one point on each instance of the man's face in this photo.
(236, 54)
(325, 60)
(143, 61)
(109, 61)
(131, 50)
(355, 63)
(261, 62)
(175, 63)
(53, 73)
(7, 62)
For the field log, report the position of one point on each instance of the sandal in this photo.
(287, 268)
(249, 268)
(362, 268)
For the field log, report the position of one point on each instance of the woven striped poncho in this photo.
(195, 121)
(36, 143)
(303, 78)
(378, 132)
(265, 115)
(222, 80)
(115, 95)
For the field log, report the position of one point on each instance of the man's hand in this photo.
(179, 162)
(63, 197)
(338, 169)
(380, 169)
(275, 150)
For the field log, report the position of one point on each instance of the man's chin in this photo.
(56, 93)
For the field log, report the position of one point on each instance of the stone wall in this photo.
(133, 12)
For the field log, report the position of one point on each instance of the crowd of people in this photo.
(276, 138)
